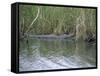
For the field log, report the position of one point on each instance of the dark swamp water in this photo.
(47, 54)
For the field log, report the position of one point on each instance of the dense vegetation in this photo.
(58, 20)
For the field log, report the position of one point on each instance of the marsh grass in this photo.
(58, 20)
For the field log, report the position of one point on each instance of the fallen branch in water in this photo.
(52, 36)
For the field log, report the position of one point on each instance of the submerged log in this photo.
(52, 36)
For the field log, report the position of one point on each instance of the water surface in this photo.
(47, 54)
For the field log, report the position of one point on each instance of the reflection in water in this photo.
(47, 54)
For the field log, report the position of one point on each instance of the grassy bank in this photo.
(58, 20)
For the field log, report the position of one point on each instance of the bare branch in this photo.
(34, 20)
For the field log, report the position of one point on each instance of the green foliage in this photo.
(57, 20)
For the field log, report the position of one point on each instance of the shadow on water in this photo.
(44, 54)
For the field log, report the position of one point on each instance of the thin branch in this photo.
(23, 25)
(34, 20)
